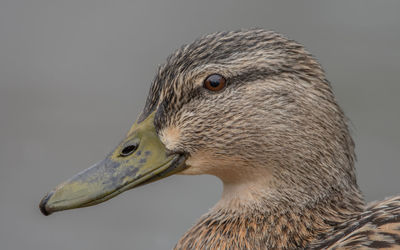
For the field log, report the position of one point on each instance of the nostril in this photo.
(128, 150)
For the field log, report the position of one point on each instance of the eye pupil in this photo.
(215, 82)
(128, 150)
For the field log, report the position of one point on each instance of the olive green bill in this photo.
(140, 158)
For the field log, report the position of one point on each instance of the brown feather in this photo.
(277, 139)
(378, 227)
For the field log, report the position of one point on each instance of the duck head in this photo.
(250, 107)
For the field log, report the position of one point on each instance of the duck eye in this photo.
(215, 82)
(128, 150)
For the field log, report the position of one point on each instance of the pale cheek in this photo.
(198, 164)
(205, 163)
(170, 137)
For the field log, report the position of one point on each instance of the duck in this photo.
(255, 109)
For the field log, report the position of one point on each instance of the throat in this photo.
(251, 217)
(242, 198)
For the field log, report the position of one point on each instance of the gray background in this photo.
(74, 75)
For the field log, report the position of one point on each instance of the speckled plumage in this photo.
(377, 227)
(276, 138)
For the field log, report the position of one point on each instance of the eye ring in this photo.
(214, 82)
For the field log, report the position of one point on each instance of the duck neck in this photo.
(255, 216)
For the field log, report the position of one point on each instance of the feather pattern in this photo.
(277, 139)
(378, 227)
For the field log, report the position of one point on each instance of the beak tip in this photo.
(43, 203)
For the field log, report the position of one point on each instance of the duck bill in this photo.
(141, 158)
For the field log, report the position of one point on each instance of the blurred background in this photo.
(75, 74)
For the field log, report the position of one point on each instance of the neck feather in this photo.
(251, 217)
